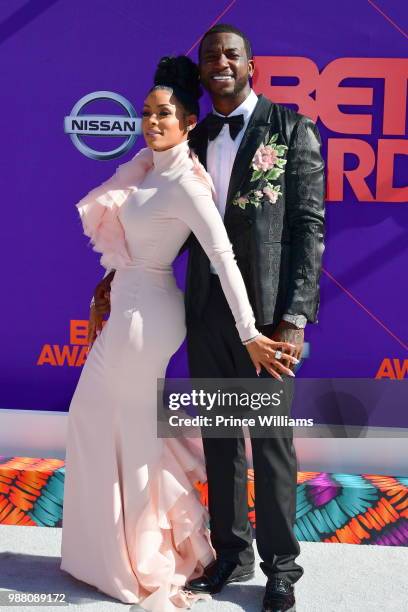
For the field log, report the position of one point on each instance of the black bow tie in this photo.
(215, 124)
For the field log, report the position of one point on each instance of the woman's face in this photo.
(165, 122)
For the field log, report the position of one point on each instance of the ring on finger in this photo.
(278, 355)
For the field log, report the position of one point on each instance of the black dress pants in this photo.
(215, 351)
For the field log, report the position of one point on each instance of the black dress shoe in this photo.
(279, 596)
(218, 574)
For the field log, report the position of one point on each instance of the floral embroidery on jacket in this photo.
(268, 164)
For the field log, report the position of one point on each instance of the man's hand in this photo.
(102, 294)
(262, 353)
(287, 332)
(94, 326)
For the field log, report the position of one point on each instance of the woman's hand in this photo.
(262, 352)
(95, 324)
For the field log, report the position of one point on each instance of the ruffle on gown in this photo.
(172, 543)
(99, 209)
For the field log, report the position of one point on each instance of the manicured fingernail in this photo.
(296, 361)
(291, 373)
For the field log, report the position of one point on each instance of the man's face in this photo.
(224, 66)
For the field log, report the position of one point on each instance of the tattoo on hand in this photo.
(294, 336)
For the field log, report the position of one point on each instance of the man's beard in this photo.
(238, 87)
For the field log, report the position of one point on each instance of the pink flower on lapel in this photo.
(265, 158)
(267, 164)
(272, 194)
(242, 201)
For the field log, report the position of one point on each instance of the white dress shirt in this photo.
(221, 152)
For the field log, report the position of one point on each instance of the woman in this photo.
(133, 525)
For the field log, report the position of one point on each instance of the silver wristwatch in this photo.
(298, 320)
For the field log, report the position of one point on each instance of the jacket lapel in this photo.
(253, 137)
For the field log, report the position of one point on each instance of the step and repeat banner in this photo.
(64, 64)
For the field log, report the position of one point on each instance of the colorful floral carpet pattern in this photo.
(346, 508)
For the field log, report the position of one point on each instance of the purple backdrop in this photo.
(54, 52)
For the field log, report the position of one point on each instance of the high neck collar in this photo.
(170, 158)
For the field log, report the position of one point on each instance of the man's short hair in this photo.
(225, 27)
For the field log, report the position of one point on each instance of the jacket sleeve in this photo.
(305, 193)
(196, 209)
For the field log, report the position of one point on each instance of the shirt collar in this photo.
(245, 108)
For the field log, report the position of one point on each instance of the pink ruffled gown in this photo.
(133, 525)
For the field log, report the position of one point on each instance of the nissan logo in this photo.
(79, 124)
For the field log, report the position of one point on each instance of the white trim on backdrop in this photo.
(41, 433)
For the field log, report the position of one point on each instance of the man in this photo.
(275, 224)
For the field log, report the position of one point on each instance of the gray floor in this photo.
(337, 578)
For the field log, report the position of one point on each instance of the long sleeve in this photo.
(196, 208)
(305, 190)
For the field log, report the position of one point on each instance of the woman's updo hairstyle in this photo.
(181, 75)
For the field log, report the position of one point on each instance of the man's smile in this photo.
(222, 77)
